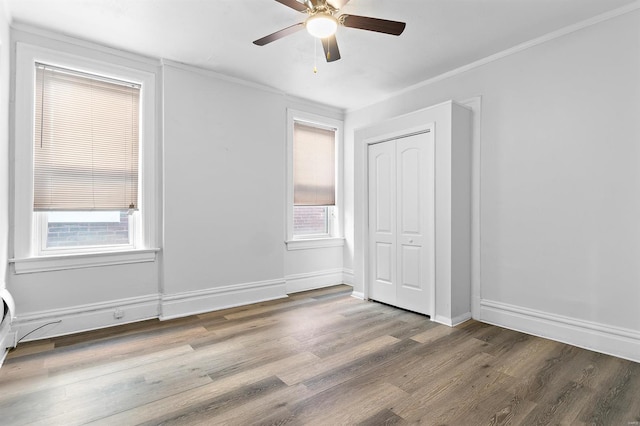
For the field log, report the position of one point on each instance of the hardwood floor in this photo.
(320, 357)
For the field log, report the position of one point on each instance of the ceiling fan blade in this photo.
(294, 4)
(337, 4)
(330, 45)
(279, 34)
(373, 24)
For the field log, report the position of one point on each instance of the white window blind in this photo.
(314, 168)
(86, 141)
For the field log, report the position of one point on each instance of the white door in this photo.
(401, 222)
(382, 222)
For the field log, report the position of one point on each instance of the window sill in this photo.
(313, 243)
(85, 260)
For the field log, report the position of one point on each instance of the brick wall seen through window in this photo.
(73, 234)
(310, 220)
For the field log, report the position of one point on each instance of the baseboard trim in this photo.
(213, 299)
(616, 341)
(81, 318)
(452, 321)
(312, 280)
(358, 295)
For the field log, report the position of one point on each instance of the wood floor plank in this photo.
(342, 290)
(551, 373)
(444, 396)
(94, 399)
(107, 351)
(271, 408)
(31, 348)
(58, 398)
(294, 302)
(617, 399)
(348, 337)
(511, 410)
(17, 370)
(166, 378)
(419, 369)
(176, 403)
(324, 365)
(269, 309)
(565, 399)
(361, 366)
(317, 357)
(217, 405)
(562, 405)
(383, 417)
(329, 407)
(23, 387)
(432, 334)
(525, 360)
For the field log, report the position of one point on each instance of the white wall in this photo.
(4, 143)
(559, 204)
(314, 268)
(225, 189)
(5, 337)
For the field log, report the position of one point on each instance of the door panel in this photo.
(382, 212)
(411, 276)
(384, 193)
(384, 262)
(409, 195)
(415, 237)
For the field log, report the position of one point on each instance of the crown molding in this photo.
(511, 51)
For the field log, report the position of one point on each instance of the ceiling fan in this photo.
(323, 22)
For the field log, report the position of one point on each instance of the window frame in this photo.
(335, 236)
(28, 256)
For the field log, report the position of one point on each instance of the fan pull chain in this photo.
(315, 57)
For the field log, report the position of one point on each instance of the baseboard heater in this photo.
(7, 310)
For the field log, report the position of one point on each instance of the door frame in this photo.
(366, 143)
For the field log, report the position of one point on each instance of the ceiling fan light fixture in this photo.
(321, 25)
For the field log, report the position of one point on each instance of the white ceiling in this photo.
(441, 35)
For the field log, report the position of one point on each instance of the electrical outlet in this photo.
(118, 314)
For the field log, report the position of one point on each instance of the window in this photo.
(314, 181)
(314, 178)
(85, 161)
